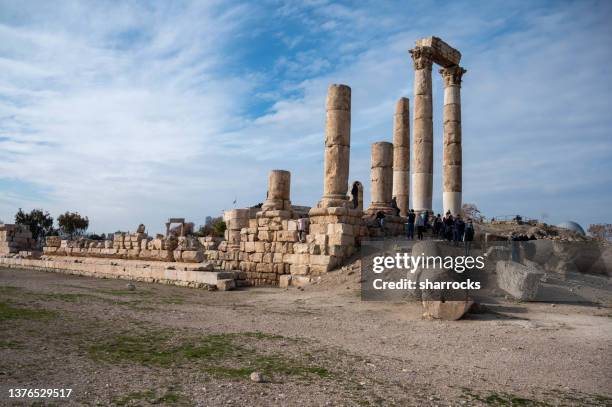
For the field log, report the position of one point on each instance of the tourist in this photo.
(355, 195)
(411, 219)
(396, 208)
(449, 224)
(380, 218)
(468, 236)
(438, 226)
(420, 225)
(303, 223)
(458, 230)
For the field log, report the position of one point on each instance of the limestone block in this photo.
(300, 281)
(226, 284)
(300, 248)
(446, 310)
(452, 112)
(342, 240)
(423, 107)
(337, 250)
(284, 281)
(287, 236)
(422, 84)
(519, 280)
(442, 53)
(264, 235)
(192, 256)
(323, 260)
(51, 241)
(452, 154)
(299, 269)
(314, 248)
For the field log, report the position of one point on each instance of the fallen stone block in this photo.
(284, 281)
(446, 310)
(226, 284)
(519, 280)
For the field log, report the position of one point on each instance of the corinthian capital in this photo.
(422, 57)
(452, 75)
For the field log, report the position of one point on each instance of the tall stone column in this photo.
(381, 177)
(279, 189)
(452, 178)
(337, 147)
(401, 154)
(422, 147)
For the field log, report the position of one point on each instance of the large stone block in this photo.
(442, 53)
(519, 280)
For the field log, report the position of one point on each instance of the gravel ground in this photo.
(167, 345)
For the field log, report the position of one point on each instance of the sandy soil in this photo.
(166, 345)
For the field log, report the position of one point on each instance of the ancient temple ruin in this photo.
(265, 245)
(428, 51)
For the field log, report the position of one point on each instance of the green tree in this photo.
(40, 223)
(212, 227)
(72, 224)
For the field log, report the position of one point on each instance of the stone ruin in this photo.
(16, 240)
(263, 245)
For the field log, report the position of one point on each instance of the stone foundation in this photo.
(182, 274)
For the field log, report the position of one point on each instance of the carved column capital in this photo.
(452, 75)
(422, 57)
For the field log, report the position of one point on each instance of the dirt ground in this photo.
(321, 346)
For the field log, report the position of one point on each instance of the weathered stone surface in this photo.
(519, 280)
(381, 176)
(337, 142)
(226, 284)
(447, 310)
(441, 53)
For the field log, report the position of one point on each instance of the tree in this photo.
(71, 223)
(40, 223)
(602, 231)
(471, 211)
(212, 227)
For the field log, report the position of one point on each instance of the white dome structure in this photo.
(573, 226)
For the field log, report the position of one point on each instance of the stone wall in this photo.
(15, 238)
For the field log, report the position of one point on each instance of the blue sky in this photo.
(133, 112)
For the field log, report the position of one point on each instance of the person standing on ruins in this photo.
(449, 224)
(394, 206)
(303, 223)
(411, 219)
(459, 230)
(468, 236)
(420, 225)
(355, 195)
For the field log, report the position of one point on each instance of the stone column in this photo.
(422, 147)
(381, 177)
(337, 146)
(452, 178)
(401, 154)
(279, 188)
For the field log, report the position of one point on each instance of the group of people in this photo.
(449, 227)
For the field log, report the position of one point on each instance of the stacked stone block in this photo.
(15, 238)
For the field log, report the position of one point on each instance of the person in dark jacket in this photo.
(411, 219)
(355, 194)
(468, 236)
(396, 208)
(459, 230)
(449, 225)
(380, 218)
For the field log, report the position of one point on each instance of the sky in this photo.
(134, 112)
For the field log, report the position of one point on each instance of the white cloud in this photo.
(138, 112)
